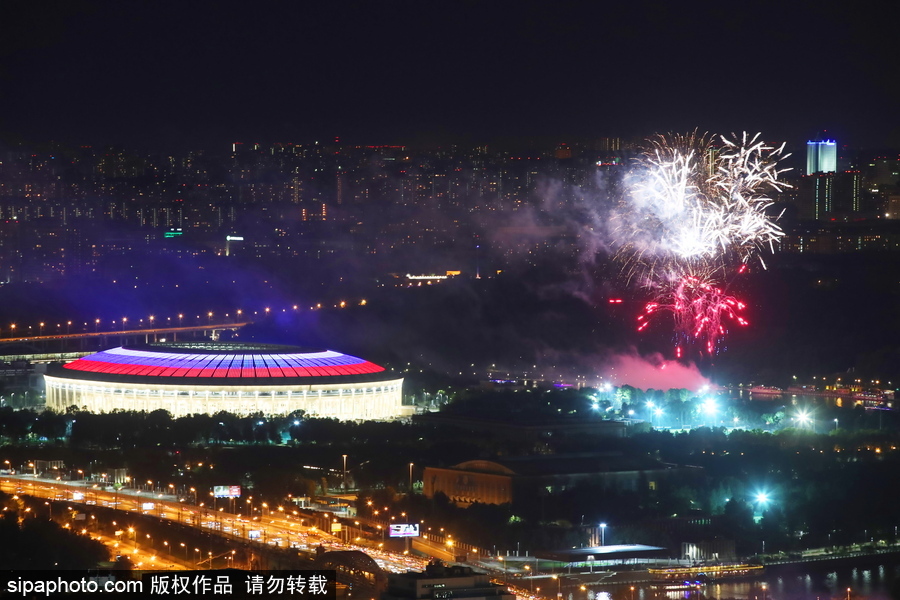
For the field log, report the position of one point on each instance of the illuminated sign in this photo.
(147, 506)
(234, 238)
(77, 496)
(404, 530)
(253, 534)
(227, 491)
(173, 233)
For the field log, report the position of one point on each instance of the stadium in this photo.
(207, 377)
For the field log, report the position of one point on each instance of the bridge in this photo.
(354, 568)
(83, 341)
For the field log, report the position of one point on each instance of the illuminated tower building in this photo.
(817, 188)
(821, 156)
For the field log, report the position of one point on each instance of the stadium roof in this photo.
(225, 364)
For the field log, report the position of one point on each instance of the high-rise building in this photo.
(832, 196)
(816, 195)
(848, 196)
(821, 156)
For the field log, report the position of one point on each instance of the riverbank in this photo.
(572, 577)
(852, 558)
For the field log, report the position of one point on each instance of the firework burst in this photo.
(696, 215)
(701, 313)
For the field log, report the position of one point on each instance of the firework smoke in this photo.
(652, 371)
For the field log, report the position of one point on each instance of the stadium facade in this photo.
(206, 378)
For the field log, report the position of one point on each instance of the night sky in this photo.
(202, 74)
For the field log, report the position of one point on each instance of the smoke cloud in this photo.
(653, 371)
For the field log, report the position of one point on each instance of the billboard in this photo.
(254, 534)
(404, 530)
(227, 491)
(148, 506)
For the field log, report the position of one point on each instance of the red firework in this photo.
(701, 312)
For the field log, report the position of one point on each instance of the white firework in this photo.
(696, 209)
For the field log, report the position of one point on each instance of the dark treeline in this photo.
(30, 542)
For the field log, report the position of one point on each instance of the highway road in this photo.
(278, 528)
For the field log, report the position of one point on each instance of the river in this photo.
(801, 582)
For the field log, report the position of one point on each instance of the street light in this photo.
(602, 534)
(709, 408)
(344, 478)
(411, 478)
(804, 418)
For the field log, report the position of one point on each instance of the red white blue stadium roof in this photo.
(227, 363)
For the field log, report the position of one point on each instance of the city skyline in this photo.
(113, 234)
